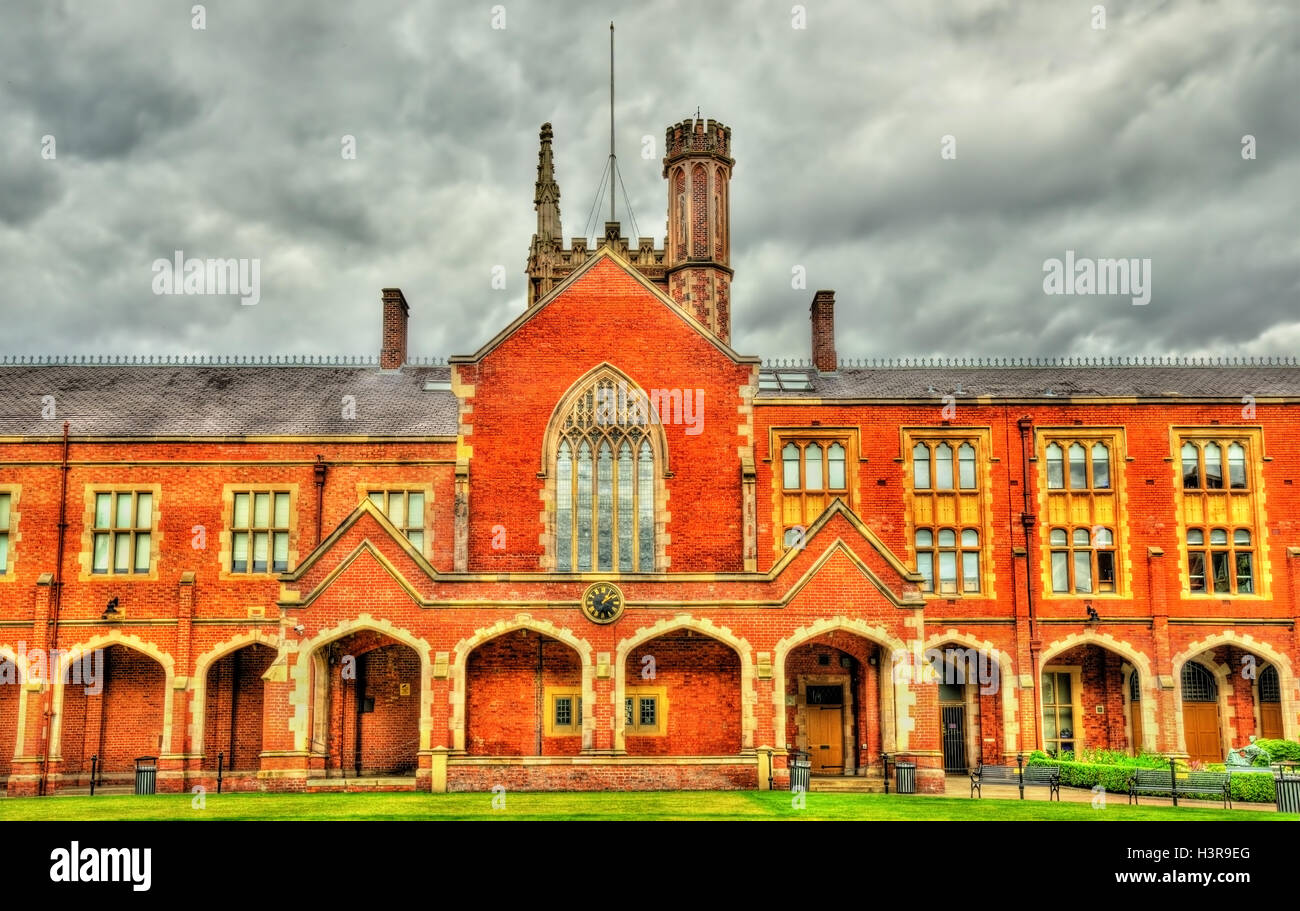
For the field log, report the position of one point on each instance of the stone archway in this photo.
(465, 647)
(1148, 688)
(707, 629)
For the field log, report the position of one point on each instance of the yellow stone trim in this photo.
(908, 437)
(1115, 439)
(1255, 459)
(86, 557)
(777, 438)
(7, 571)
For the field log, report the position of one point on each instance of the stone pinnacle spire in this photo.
(546, 197)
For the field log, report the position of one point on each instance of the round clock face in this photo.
(602, 602)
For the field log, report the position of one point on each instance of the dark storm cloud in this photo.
(225, 142)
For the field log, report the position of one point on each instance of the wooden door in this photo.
(1270, 720)
(1201, 725)
(826, 738)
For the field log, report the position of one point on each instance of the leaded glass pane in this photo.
(280, 552)
(122, 517)
(144, 510)
(1236, 466)
(646, 506)
(1191, 468)
(790, 467)
(1060, 571)
(584, 507)
(626, 519)
(1100, 466)
(142, 552)
(943, 466)
(605, 506)
(122, 551)
(1213, 466)
(261, 510)
(966, 466)
(835, 458)
(1055, 467)
(1082, 571)
(1245, 574)
(282, 510)
(100, 564)
(812, 467)
(103, 510)
(921, 467)
(564, 509)
(239, 552)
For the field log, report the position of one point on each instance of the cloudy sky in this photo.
(226, 142)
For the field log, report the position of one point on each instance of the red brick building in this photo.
(606, 550)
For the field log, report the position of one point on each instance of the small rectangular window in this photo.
(121, 537)
(259, 532)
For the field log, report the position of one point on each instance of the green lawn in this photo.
(707, 805)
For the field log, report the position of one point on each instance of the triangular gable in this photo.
(325, 552)
(604, 253)
(890, 574)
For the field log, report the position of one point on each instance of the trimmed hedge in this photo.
(1252, 787)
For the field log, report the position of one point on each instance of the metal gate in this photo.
(954, 738)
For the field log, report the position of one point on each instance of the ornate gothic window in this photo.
(605, 463)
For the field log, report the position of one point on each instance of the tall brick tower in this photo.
(697, 164)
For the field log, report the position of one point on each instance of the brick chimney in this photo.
(823, 331)
(392, 353)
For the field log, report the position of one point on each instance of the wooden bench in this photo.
(1216, 785)
(1035, 776)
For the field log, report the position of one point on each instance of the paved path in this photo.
(959, 786)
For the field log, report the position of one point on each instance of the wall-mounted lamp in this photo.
(111, 612)
(1092, 611)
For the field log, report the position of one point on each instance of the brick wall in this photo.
(233, 716)
(503, 716)
(702, 678)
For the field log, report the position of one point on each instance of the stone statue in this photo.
(1244, 757)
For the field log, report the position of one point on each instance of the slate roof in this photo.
(1055, 380)
(263, 399)
(228, 400)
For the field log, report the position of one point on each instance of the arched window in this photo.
(966, 466)
(921, 466)
(1078, 467)
(1055, 467)
(1199, 684)
(943, 467)
(605, 467)
(1270, 690)
(1100, 466)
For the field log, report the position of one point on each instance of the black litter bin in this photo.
(146, 774)
(905, 777)
(1288, 790)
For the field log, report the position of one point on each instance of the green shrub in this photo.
(1246, 788)
(1253, 788)
(1280, 750)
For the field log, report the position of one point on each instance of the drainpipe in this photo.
(1028, 520)
(56, 591)
(320, 469)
